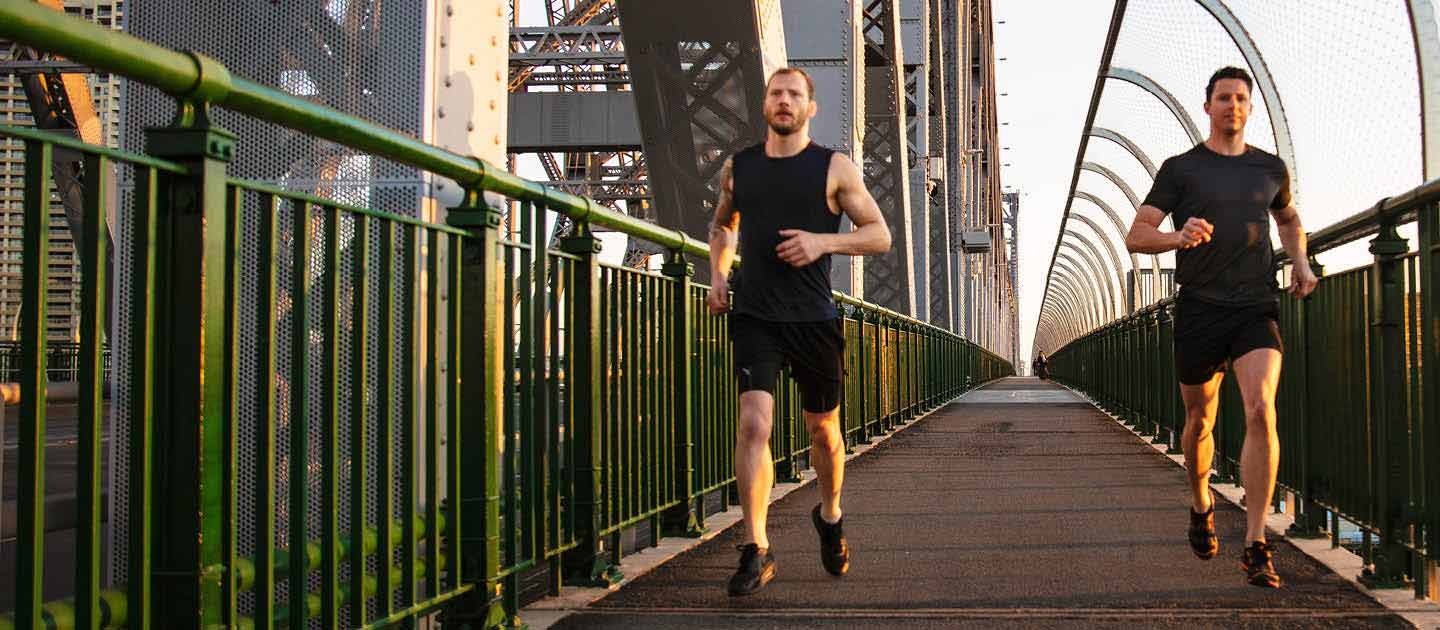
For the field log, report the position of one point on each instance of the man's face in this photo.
(787, 104)
(1229, 106)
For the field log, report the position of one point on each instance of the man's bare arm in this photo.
(1296, 244)
(724, 227)
(1145, 236)
(871, 235)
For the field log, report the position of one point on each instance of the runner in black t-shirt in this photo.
(784, 198)
(1222, 194)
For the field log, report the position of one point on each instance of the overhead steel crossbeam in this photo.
(1111, 249)
(698, 73)
(583, 12)
(589, 45)
(889, 279)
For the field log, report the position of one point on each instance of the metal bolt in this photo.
(442, 41)
(441, 112)
(470, 125)
(449, 9)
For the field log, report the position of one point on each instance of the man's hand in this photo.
(718, 300)
(1302, 280)
(800, 248)
(1195, 232)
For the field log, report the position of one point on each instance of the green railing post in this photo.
(481, 411)
(589, 561)
(1310, 518)
(1388, 412)
(1428, 423)
(862, 431)
(688, 518)
(190, 416)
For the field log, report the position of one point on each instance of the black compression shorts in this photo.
(1209, 336)
(815, 352)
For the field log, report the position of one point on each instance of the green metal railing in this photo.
(1357, 409)
(487, 409)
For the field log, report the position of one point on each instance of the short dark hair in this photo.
(809, 83)
(1228, 72)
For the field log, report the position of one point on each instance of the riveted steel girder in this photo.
(698, 72)
(890, 278)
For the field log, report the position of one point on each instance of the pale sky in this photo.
(1051, 51)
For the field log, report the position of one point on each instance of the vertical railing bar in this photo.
(514, 527)
(30, 563)
(538, 420)
(141, 408)
(385, 430)
(265, 416)
(330, 415)
(359, 416)
(409, 415)
(453, 326)
(525, 365)
(91, 412)
(299, 413)
(230, 581)
(432, 419)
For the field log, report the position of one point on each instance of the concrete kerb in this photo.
(544, 613)
(1401, 601)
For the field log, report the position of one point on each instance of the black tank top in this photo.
(774, 194)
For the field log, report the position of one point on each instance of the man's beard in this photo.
(784, 130)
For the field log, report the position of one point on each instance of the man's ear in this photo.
(814, 107)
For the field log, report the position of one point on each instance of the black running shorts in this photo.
(1209, 336)
(815, 352)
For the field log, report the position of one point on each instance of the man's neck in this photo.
(777, 145)
(1231, 144)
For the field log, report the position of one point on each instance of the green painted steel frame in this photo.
(646, 438)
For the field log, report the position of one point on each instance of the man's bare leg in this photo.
(827, 455)
(1258, 374)
(754, 467)
(1201, 403)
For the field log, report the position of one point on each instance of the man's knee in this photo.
(1260, 415)
(754, 428)
(824, 429)
(1199, 425)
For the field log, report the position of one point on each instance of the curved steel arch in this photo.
(1064, 310)
(1052, 324)
(1072, 277)
(1279, 126)
(1119, 227)
(1092, 258)
(1114, 178)
(1143, 82)
(1427, 60)
(1095, 277)
(1125, 143)
(1070, 305)
(1110, 249)
(1134, 205)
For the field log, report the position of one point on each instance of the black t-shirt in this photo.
(1235, 194)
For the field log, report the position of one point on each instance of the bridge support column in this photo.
(191, 423)
(590, 560)
(481, 414)
(1388, 411)
(688, 518)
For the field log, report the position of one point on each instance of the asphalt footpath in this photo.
(1017, 506)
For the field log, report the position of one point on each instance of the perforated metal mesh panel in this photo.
(346, 54)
